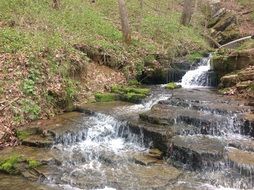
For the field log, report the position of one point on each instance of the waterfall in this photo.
(200, 77)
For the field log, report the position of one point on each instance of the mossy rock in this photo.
(132, 97)
(15, 164)
(23, 134)
(9, 165)
(172, 86)
(130, 89)
(106, 97)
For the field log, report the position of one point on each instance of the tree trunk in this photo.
(56, 4)
(187, 12)
(124, 21)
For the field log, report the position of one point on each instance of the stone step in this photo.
(243, 161)
(170, 115)
(207, 106)
(66, 129)
(240, 142)
(197, 151)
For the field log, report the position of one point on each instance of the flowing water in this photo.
(198, 77)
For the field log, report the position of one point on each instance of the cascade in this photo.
(202, 76)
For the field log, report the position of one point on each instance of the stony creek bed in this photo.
(182, 139)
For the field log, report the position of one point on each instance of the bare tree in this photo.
(124, 21)
(56, 4)
(187, 12)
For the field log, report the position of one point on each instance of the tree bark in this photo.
(124, 21)
(187, 12)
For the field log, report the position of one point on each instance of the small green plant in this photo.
(28, 87)
(30, 109)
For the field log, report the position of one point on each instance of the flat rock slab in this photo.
(39, 154)
(197, 151)
(130, 176)
(67, 128)
(209, 106)
(170, 115)
(242, 160)
(8, 182)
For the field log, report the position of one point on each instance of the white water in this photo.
(197, 78)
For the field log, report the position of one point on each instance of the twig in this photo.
(9, 103)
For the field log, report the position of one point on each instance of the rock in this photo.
(248, 127)
(8, 182)
(241, 160)
(237, 60)
(145, 159)
(197, 151)
(229, 80)
(156, 136)
(171, 115)
(38, 141)
(44, 156)
(155, 153)
(243, 85)
(247, 75)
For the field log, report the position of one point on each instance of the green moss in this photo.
(126, 89)
(105, 97)
(33, 163)
(9, 165)
(172, 86)
(23, 134)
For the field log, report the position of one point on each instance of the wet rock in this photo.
(145, 159)
(44, 156)
(197, 151)
(156, 136)
(155, 153)
(240, 142)
(8, 182)
(170, 115)
(248, 127)
(241, 160)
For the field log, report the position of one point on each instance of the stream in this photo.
(203, 139)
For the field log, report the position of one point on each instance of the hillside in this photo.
(42, 73)
(51, 60)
